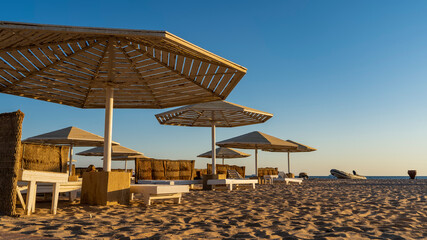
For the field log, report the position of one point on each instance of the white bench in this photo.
(34, 177)
(152, 192)
(270, 178)
(230, 182)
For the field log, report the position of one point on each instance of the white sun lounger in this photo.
(270, 178)
(230, 182)
(170, 182)
(37, 177)
(152, 192)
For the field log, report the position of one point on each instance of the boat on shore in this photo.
(343, 175)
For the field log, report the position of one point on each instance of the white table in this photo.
(152, 192)
(230, 182)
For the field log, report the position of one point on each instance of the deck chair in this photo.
(233, 174)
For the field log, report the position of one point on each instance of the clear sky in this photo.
(345, 77)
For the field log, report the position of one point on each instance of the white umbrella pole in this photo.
(256, 162)
(70, 167)
(213, 149)
(109, 99)
(289, 164)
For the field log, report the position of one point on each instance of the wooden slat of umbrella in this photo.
(213, 114)
(257, 140)
(101, 68)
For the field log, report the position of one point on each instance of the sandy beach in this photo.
(317, 209)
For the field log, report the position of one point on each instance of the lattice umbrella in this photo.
(213, 114)
(101, 68)
(72, 136)
(257, 140)
(300, 148)
(223, 152)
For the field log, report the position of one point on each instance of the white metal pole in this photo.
(289, 164)
(256, 162)
(109, 99)
(70, 167)
(213, 148)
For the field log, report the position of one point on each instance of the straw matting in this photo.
(10, 150)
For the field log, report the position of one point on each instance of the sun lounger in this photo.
(270, 178)
(37, 177)
(282, 177)
(152, 192)
(170, 182)
(230, 182)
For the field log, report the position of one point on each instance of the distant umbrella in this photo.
(116, 150)
(213, 114)
(72, 136)
(300, 148)
(223, 152)
(127, 158)
(257, 140)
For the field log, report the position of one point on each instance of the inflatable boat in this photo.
(344, 175)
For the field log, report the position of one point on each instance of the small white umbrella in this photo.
(223, 152)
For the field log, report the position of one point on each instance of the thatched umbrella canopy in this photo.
(223, 152)
(116, 150)
(101, 68)
(213, 114)
(257, 140)
(300, 148)
(72, 136)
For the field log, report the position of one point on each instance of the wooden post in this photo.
(289, 163)
(222, 161)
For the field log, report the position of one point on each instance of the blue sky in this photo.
(346, 77)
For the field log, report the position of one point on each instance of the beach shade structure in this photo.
(213, 114)
(116, 150)
(300, 148)
(72, 136)
(104, 68)
(223, 152)
(257, 140)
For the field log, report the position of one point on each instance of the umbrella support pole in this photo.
(289, 163)
(70, 167)
(109, 100)
(213, 149)
(256, 162)
(126, 165)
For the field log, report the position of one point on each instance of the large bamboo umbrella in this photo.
(72, 136)
(101, 68)
(257, 140)
(213, 114)
(223, 152)
(300, 148)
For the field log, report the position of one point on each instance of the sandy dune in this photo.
(317, 209)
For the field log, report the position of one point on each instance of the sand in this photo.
(317, 209)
